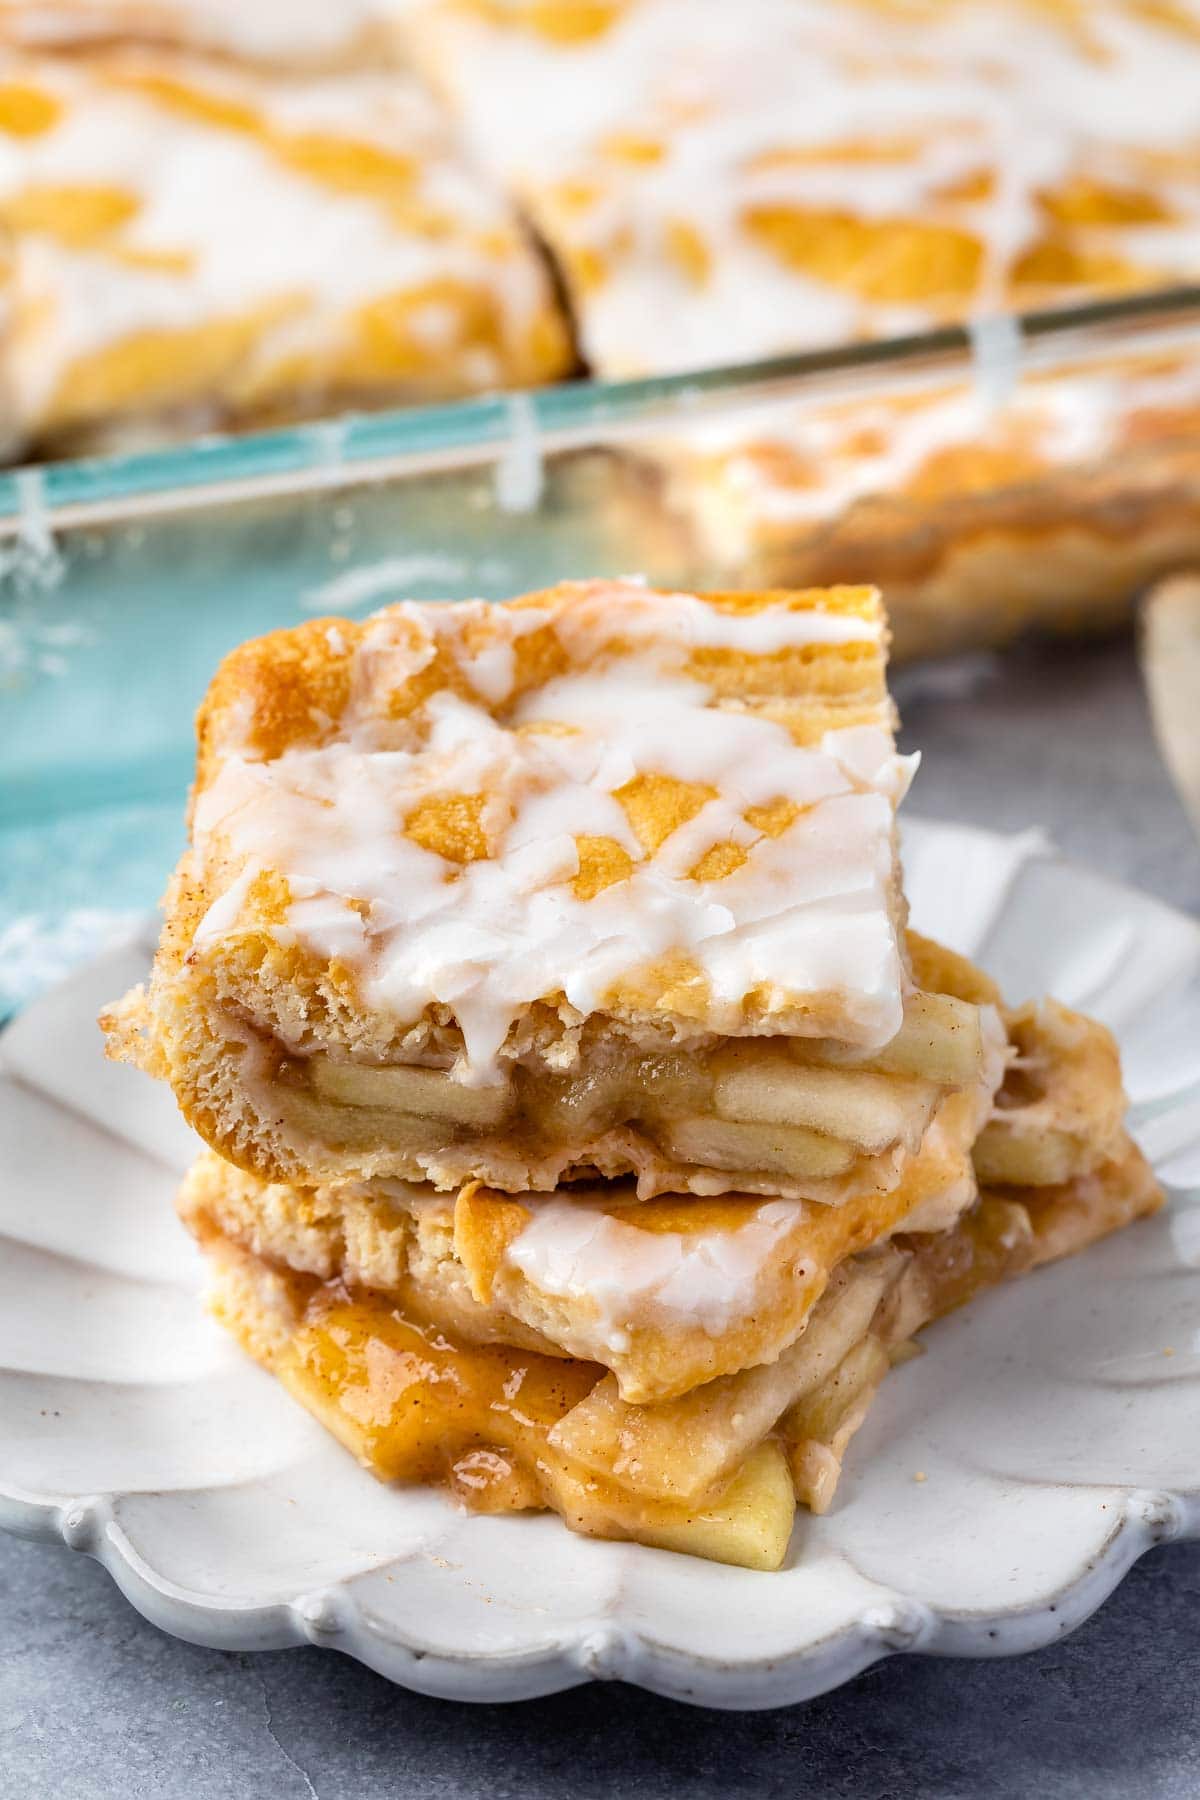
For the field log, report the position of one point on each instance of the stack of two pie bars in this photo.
(588, 1130)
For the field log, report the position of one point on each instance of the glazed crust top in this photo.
(669, 808)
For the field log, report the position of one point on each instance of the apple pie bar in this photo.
(599, 882)
(679, 1372)
(195, 244)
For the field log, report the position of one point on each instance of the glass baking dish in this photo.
(124, 579)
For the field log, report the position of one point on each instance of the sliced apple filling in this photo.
(681, 1449)
(413, 1092)
(791, 1108)
(791, 1152)
(764, 1085)
(498, 1427)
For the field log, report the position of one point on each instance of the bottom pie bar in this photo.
(715, 1472)
(671, 1293)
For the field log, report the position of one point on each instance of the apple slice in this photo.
(870, 1110)
(759, 1149)
(426, 1093)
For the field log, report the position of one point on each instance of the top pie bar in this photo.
(600, 880)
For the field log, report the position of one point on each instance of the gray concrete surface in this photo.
(95, 1703)
(1059, 739)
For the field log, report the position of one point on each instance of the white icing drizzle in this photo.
(626, 1277)
(520, 473)
(978, 111)
(808, 912)
(996, 359)
(254, 231)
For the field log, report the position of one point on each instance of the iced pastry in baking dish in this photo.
(720, 184)
(601, 881)
(195, 245)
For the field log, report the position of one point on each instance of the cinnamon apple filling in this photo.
(800, 1109)
(510, 1430)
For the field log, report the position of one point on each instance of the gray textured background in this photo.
(95, 1703)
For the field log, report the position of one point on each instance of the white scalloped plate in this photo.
(1057, 1422)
